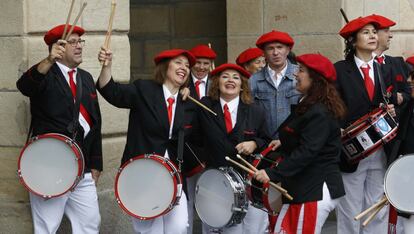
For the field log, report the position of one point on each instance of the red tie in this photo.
(227, 118)
(197, 86)
(72, 83)
(82, 109)
(369, 85)
(170, 101)
(380, 59)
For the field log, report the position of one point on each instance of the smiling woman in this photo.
(158, 119)
(239, 128)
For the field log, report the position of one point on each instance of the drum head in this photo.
(49, 167)
(398, 184)
(275, 199)
(145, 188)
(214, 198)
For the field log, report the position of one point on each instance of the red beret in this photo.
(320, 64)
(410, 60)
(168, 54)
(355, 25)
(54, 34)
(383, 22)
(275, 36)
(203, 51)
(231, 66)
(248, 55)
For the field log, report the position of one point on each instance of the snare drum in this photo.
(262, 195)
(399, 184)
(50, 165)
(148, 186)
(368, 134)
(220, 198)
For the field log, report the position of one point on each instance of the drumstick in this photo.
(371, 217)
(202, 105)
(365, 212)
(67, 20)
(246, 162)
(280, 189)
(109, 31)
(212, 64)
(76, 21)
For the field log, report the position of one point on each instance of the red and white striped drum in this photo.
(368, 134)
(148, 186)
(50, 165)
(262, 195)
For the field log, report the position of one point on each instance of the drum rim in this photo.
(396, 206)
(223, 171)
(75, 148)
(169, 165)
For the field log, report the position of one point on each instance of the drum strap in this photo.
(381, 83)
(74, 125)
(180, 148)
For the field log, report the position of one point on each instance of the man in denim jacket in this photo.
(273, 87)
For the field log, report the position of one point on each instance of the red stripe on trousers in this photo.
(392, 220)
(291, 218)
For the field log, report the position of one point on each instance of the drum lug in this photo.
(69, 142)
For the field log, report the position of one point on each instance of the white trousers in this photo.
(174, 222)
(80, 206)
(408, 224)
(323, 208)
(256, 221)
(191, 184)
(363, 188)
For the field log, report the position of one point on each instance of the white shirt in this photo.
(360, 63)
(82, 120)
(233, 106)
(167, 94)
(201, 86)
(277, 78)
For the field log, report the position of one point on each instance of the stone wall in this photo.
(22, 26)
(313, 24)
(163, 24)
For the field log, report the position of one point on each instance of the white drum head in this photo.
(399, 184)
(49, 167)
(145, 188)
(214, 198)
(275, 199)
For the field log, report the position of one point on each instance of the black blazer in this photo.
(397, 70)
(191, 150)
(250, 126)
(351, 87)
(311, 145)
(51, 106)
(148, 126)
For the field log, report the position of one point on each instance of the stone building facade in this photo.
(141, 29)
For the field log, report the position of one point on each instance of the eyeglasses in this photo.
(74, 43)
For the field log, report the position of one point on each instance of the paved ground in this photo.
(328, 228)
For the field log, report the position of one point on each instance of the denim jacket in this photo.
(275, 101)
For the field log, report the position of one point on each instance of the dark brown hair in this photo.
(322, 91)
(245, 94)
(160, 71)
